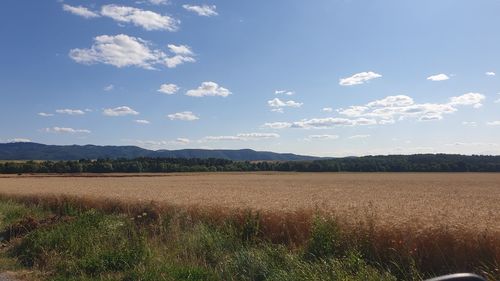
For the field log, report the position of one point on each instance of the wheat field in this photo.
(467, 200)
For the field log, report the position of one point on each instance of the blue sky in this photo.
(328, 78)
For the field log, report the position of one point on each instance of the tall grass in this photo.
(149, 241)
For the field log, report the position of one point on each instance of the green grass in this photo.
(88, 244)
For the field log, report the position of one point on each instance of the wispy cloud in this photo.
(183, 116)
(359, 78)
(284, 92)
(66, 130)
(490, 73)
(108, 88)
(203, 10)
(322, 137)
(358, 137)
(438, 77)
(241, 137)
(70, 111)
(80, 11)
(493, 123)
(142, 121)
(119, 111)
(148, 20)
(43, 114)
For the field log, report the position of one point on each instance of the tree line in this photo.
(391, 163)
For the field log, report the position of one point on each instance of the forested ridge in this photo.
(391, 163)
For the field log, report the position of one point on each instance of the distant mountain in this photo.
(37, 151)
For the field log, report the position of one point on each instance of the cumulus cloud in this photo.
(438, 77)
(70, 111)
(65, 130)
(43, 114)
(284, 92)
(322, 137)
(401, 107)
(209, 89)
(277, 105)
(358, 137)
(359, 78)
(493, 123)
(80, 11)
(168, 89)
(119, 111)
(242, 137)
(146, 19)
(122, 50)
(473, 99)
(184, 116)
(142, 121)
(204, 10)
(490, 73)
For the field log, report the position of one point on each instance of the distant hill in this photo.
(37, 151)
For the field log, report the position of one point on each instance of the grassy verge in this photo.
(83, 239)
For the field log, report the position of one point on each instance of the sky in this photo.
(323, 77)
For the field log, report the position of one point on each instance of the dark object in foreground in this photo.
(458, 277)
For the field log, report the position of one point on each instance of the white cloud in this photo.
(221, 138)
(204, 10)
(108, 88)
(401, 107)
(358, 137)
(172, 62)
(277, 125)
(168, 89)
(180, 49)
(119, 111)
(43, 114)
(493, 123)
(327, 109)
(158, 2)
(278, 105)
(276, 102)
(438, 77)
(471, 124)
(182, 141)
(146, 19)
(242, 137)
(142, 121)
(473, 99)
(258, 136)
(70, 111)
(64, 130)
(184, 116)
(19, 140)
(284, 92)
(122, 50)
(490, 73)
(323, 123)
(208, 89)
(80, 11)
(497, 101)
(322, 137)
(359, 78)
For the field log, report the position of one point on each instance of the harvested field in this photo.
(466, 200)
